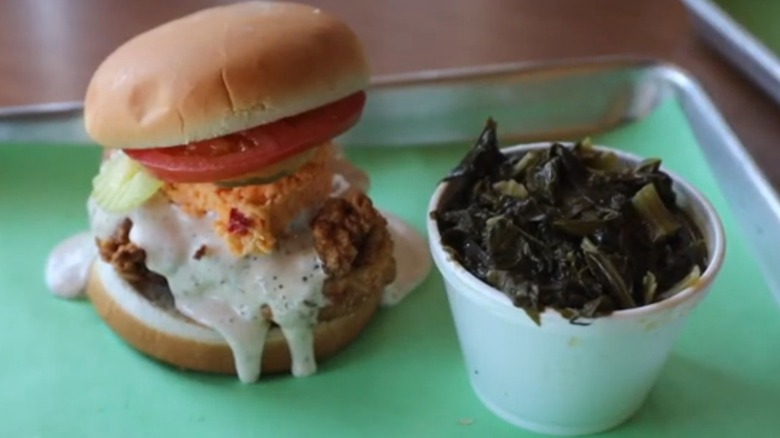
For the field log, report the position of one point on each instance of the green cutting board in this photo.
(64, 374)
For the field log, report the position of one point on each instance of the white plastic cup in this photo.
(560, 378)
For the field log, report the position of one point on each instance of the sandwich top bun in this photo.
(255, 63)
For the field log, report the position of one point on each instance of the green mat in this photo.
(64, 374)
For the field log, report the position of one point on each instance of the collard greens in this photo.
(569, 228)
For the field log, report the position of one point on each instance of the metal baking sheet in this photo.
(738, 44)
(63, 373)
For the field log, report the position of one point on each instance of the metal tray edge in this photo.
(737, 45)
(758, 208)
(421, 77)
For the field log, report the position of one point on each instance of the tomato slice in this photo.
(247, 151)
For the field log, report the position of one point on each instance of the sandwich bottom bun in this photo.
(170, 337)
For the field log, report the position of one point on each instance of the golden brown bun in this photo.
(186, 344)
(222, 70)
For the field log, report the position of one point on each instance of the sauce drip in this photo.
(413, 261)
(246, 337)
(67, 266)
(227, 293)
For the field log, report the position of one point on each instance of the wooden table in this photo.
(48, 50)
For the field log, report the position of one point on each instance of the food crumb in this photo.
(200, 252)
(466, 421)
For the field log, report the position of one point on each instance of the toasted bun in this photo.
(178, 341)
(222, 70)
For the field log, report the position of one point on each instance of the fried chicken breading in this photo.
(129, 262)
(352, 240)
(340, 228)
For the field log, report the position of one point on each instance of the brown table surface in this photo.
(48, 50)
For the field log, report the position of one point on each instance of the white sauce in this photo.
(225, 292)
(67, 267)
(413, 262)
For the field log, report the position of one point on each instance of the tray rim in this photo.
(737, 44)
